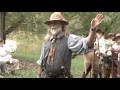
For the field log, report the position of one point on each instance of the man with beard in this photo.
(56, 53)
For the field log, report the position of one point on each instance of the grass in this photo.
(31, 53)
(23, 74)
(76, 67)
(28, 56)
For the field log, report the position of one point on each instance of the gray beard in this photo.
(55, 33)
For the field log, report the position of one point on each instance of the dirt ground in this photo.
(25, 65)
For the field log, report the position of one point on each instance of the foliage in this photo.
(79, 22)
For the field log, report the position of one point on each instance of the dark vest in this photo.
(62, 55)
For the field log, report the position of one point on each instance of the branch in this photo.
(14, 26)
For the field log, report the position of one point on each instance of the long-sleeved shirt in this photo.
(75, 43)
(5, 55)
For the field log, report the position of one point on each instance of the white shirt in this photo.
(2, 52)
(5, 55)
(101, 42)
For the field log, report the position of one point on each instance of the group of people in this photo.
(6, 58)
(108, 52)
(56, 53)
(104, 59)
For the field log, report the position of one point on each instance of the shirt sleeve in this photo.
(78, 45)
(39, 62)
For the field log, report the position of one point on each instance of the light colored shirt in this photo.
(101, 42)
(116, 47)
(2, 52)
(5, 55)
(11, 45)
(106, 46)
(75, 43)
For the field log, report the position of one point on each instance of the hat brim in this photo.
(48, 22)
(109, 36)
(114, 39)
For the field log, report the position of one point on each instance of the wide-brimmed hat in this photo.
(117, 36)
(110, 35)
(56, 16)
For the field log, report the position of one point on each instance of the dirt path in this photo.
(25, 65)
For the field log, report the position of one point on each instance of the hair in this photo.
(99, 31)
(64, 29)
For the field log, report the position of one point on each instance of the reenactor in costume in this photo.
(92, 59)
(56, 53)
(106, 54)
(116, 54)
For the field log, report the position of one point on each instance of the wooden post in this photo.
(2, 26)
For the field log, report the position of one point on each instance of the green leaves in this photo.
(79, 22)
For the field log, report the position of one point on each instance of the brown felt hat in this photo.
(56, 16)
(117, 36)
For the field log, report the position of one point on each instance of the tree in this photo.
(79, 22)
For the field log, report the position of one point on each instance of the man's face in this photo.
(55, 27)
(118, 40)
(99, 35)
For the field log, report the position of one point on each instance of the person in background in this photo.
(6, 56)
(116, 52)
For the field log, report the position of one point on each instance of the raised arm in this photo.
(94, 24)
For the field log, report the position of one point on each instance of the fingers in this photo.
(92, 20)
(100, 20)
(100, 17)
